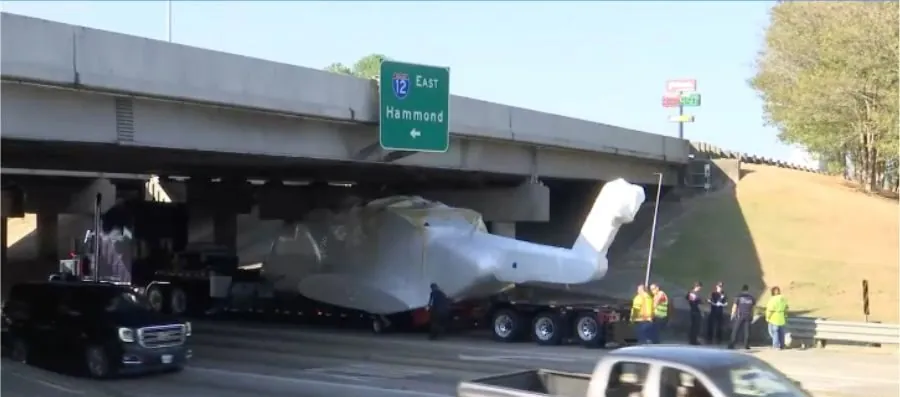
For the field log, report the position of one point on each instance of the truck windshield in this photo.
(757, 380)
(127, 302)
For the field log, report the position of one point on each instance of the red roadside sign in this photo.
(671, 101)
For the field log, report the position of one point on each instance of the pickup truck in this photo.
(648, 371)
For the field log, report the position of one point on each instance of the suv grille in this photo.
(162, 336)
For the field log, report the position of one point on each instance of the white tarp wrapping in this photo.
(381, 257)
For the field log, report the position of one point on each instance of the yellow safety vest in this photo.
(661, 305)
(642, 307)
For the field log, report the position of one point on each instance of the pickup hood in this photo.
(138, 319)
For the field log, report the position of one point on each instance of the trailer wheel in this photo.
(506, 325)
(156, 297)
(589, 331)
(380, 325)
(547, 329)
(178, 301)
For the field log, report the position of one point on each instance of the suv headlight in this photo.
(126, 335)
(187, 328)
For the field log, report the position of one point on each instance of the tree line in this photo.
(828, 77)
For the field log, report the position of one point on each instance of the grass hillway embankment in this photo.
(807, 233)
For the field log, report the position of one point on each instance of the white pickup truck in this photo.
(648, 371)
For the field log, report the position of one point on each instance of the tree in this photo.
(828, 77)
(366, 67)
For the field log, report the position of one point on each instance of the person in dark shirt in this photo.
(439, 306)
(717, 303)
(742, 316)
(694, 300)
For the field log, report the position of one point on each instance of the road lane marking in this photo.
(47, 383)
(320, 383)
(516, 357)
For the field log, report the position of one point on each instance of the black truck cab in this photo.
(100, 328)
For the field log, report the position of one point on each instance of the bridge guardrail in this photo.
(821, 331)
(715, 152)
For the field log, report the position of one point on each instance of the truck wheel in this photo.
(547, 329)
(156, 298)
(178, 301)
(378, 326)
(506, 325)
(19, 351)
(589, 331)
(97, 362)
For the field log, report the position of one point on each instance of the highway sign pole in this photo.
(653, 230)
(681, 118)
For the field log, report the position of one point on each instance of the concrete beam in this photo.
(526, 202)
(233, 196)
(67, 55)
(505, 229)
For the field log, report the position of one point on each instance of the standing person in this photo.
(661, 311)
(742, 316)
(694, 300)
(717, 303)
(642, 315)
(776, 317)
(439, 306)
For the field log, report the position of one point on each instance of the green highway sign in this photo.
(690, 99)
(414, 102)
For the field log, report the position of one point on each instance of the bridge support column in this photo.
(225, 229)
(47, 235)
(3, 227)
(505, 229)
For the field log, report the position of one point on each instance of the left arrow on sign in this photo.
(415, 133)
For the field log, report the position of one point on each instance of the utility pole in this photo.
(169, 20)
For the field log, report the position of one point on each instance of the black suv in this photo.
(102, 328)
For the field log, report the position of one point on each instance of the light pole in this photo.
(169, 20)
(653, 228)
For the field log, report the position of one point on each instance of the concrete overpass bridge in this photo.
(150, 100)
(76, 98)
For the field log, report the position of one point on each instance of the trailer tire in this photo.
(178, 301)
(589, 331)
(506, 326)
(547, 329)
(156, 296)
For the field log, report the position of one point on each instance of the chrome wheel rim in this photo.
(503, 325)
(156, 299)
(179, 302)
(543, 328)
(587, 328)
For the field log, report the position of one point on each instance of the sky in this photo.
(601, 61)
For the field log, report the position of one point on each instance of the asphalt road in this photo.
(243, 361)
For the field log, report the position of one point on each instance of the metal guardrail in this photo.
(821, 331)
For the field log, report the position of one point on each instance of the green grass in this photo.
(806, 233)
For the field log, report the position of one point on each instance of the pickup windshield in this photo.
(757, 380)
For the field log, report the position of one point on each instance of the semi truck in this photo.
(370, 264)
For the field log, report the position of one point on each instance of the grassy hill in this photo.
(810, 234)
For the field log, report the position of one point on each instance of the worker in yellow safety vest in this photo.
(660, 311)
(642, 315)
(776, 317)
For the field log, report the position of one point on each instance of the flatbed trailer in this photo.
(205, 280)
